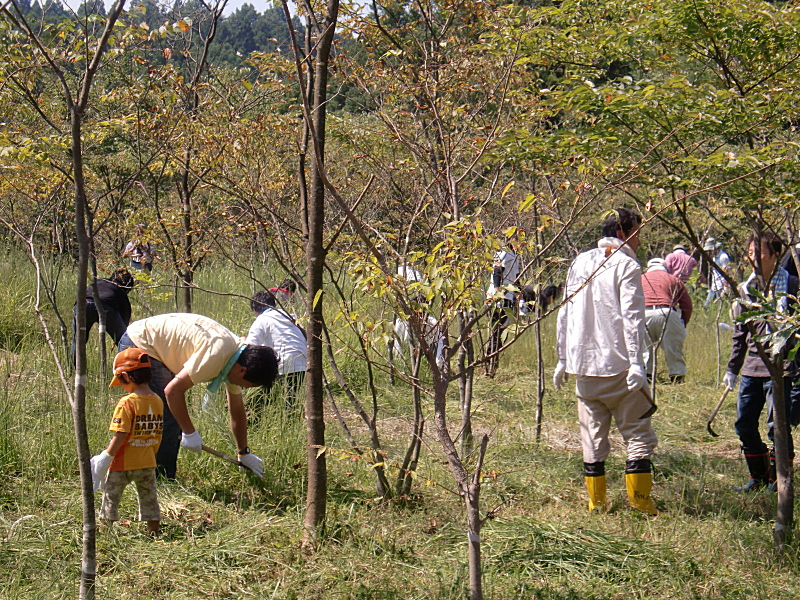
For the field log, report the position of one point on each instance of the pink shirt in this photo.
(680, 264)
(662, 289)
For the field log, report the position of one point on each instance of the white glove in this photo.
(636, 377)
(192, 441)
(253, 463)
(730, 379)
(100, 465)
(560, 375)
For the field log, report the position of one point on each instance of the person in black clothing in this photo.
(114, 298)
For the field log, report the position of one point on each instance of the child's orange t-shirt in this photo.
(143, 418)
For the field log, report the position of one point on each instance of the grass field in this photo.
(226, 536)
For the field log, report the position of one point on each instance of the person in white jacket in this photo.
(276, 329)
(600, 339)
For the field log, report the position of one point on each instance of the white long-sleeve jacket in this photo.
(601, 329)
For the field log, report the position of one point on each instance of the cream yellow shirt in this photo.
(186, 341)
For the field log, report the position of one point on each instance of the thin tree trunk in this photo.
(469, 490)
(375, 443)
(303, 153)
(719, 344)
(783, 465)
(315, 259)
(474, 525)
(537, 328)
(466, 357)
(186, 274)
(88, 558)
(409, 466)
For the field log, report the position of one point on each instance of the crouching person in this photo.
(131, 455)
(600, 339)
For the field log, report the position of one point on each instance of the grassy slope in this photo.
(228, 537)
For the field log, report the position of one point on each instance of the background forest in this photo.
(431, 130)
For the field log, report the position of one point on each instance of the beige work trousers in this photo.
(600, 399)
(674, 334)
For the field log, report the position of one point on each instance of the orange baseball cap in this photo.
(129, 359)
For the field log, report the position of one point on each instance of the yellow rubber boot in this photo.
(596, 486)
(639, 486)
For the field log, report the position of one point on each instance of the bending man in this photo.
(186, 349)
(600, 339)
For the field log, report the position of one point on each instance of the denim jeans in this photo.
(115, 326)
(754, 394)
(167, 455)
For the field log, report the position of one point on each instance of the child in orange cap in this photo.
(131, 454)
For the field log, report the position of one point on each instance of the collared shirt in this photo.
(276, 329)
(680, 264)
(186, 341)
(601, 329)
(662, 289)
(509, 262)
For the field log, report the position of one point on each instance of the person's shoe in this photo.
(677, 379)
(595, 477)
(772, 475)
(639, 483)
(759, 467)
(753, 485)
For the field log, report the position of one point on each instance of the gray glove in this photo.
(100, 465)
(560, 375)
(252, 463)
(192, 441)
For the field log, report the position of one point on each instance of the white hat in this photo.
(711, 244)
(657, 263)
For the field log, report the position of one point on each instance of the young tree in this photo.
(72, 69)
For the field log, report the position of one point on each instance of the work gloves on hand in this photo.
(253, 463)
(636, 377)
(730, 379)
(560, 375)
(192, 441)
(100, 465)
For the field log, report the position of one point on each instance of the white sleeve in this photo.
(561, 331)
(259, 334)
(631, 301)
(563, 319)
